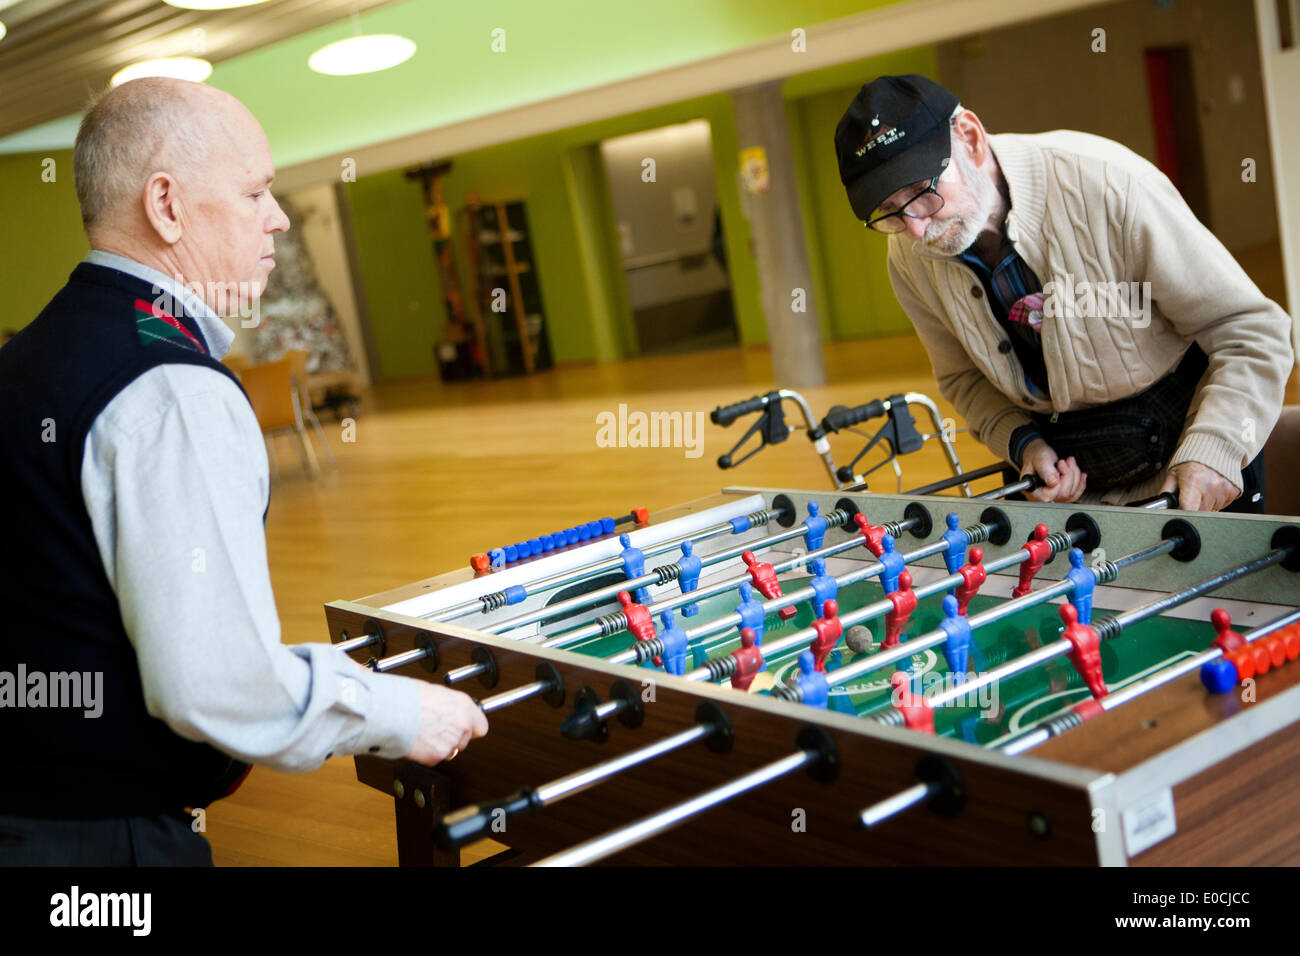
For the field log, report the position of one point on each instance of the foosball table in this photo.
(798, 677)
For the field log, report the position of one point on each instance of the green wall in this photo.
(402, 291)
(569, 220)
(561, 178)
(41, 242)
(850, 280)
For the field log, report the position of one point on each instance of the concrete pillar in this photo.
(777, 227)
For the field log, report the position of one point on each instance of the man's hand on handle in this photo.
(449, 720)
(1199, 487)
(1062, 479)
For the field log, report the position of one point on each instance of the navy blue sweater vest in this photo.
(97, 335)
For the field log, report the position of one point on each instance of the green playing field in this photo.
(983, 715)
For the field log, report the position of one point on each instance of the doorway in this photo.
(1177, 126)
(664, 197)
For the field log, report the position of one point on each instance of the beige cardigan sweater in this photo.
(1086, 210)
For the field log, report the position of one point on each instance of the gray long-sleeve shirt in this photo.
(174, 476)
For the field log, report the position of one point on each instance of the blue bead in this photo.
(1219, 676)
(512, 553)
(606, 525)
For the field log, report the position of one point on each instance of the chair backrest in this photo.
(298, 369)
(269, 387)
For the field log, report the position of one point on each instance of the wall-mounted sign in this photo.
(754, 177)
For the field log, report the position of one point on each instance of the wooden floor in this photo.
(439, 472)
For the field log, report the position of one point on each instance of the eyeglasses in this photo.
(921, 206)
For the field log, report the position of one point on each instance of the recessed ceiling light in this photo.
(176, 67)
(362, 54)
(212, 4)
(3, 31)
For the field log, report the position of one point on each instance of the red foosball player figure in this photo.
(1039, 551)
(749, 660)
(973, 577)
(828, 630)
(639, 620)
(1225, 639)
(872, 533)
(904, 601)
(1086, 655)
(764, 576)
(917, 714)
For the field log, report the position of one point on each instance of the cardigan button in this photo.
(1004, 346)
(977, 292)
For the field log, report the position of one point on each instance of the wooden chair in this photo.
(298, 370)
(275, 401)
(236, 363)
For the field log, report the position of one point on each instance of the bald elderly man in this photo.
(135, 478)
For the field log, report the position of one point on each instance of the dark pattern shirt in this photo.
(1005, 284)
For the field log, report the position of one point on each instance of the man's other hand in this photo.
(1200, 487)
(1062, 479)
(449, 720)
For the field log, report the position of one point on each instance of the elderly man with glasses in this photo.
(1087, 326)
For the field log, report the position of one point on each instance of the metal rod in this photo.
(1062, 647)
(506, 698)
(947, 483)
(1038, 734)
(616, 840)
(607, 564)
(357, 643)
(992, 615)
(771, 605)
(871, 611)
(387, 664)
(595, 629)
(892, 806)
(1145, 611)
(1027, 483)
(580, 780)
(584, 600)
(1138, 688)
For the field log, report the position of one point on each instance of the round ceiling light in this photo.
(176, 67)
(362, 54)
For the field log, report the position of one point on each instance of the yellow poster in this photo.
(754, 176)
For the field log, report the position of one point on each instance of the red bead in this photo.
(480, 562)
(1244, 661)
(1088, 709)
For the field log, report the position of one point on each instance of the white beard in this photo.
(952, 236)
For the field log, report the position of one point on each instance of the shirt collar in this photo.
(216, 333)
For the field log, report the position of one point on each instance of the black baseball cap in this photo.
(895, 132)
